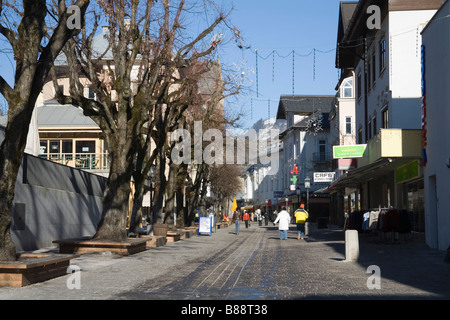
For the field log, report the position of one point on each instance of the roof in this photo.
(303, 104)
(53, 114)
(346, 10)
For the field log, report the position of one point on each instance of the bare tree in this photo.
(35, 46)
(134, 81)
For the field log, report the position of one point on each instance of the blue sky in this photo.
(284, 26)
(281, 27)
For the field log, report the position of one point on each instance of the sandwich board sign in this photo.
(205, 225)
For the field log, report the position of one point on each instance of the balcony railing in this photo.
(85, 161)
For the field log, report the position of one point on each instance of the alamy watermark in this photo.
(374, 280)
(74, 281)
(250, 148)
(374, 21)
(74, 21)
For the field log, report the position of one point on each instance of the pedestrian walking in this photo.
(246, 218)
(284, 219)
(237, 219)
(301, 215)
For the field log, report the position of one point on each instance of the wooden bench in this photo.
(33, 268)
(127, 247)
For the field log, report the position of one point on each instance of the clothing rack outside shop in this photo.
(383, 224)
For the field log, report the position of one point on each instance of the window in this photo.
(360, 140)
(54, 146)
(385, 118)
(43, 147)
(347, 88)
(89, 93)
(374, 125)
(85, 146)
(382, 55)
(359, 86)
(67, 146)
(348, 125)
(322, 149)
(374, 58)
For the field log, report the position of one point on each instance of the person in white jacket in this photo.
(284, 219)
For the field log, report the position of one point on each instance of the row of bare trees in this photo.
(152, 75)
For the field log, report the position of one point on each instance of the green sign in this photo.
(355, 151)
(407, 172)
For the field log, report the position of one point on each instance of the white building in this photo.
(307, 145)
(436, 49)
(387, 65)
(263, 180)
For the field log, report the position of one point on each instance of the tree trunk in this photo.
(11, 154)
(160, 187)
(116, 199)
(136, 214)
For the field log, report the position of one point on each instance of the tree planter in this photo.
(160, 229)
(33, 268)
(127, 247)
(154, 241)
(186, 233)
(173, 236)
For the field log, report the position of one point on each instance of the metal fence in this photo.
(86, 161)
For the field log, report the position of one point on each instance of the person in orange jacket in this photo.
(246, 218)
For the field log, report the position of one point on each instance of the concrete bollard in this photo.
(351, 245)
(306, 228)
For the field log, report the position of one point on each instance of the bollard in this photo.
(351, 245)
(306, 228)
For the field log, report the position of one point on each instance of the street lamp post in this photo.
(307, 186)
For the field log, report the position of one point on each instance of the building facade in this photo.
(387, 71)
(306, 159)
(436, 112)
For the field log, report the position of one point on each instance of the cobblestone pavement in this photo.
(255, 265)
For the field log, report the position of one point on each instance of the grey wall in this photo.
(53, 202)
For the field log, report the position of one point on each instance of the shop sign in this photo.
(278, 194)
(407, 172)
(324, 176)
(355, 151)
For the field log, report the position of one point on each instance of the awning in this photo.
(359, 175)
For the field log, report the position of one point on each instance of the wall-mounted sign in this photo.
(407, 172)
(355, 151)
(324, 176)
(278, 194)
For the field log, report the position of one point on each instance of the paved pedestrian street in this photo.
(255, 265)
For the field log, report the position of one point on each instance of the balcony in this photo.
(83, 161)
(393, 143)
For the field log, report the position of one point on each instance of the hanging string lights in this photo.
(313, 52)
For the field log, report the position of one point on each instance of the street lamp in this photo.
(307, 186)
(298, 195)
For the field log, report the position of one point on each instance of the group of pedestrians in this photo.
(238, 216)
(283, 220)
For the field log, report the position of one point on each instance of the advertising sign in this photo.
(205, 225)
(324, 176)
(355, 151)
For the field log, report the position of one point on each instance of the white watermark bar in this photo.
(256, 147)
